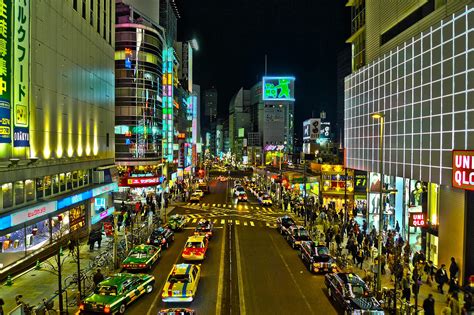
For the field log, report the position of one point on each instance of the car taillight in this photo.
(81, 306)
(189, 292)
(107, 309)
(142, 265)
(163, 241)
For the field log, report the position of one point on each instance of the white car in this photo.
(195, 197)
(200, 192)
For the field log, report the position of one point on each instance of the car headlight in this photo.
(189, 292)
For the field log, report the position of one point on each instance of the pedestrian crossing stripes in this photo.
(244, 223)
(232, 206)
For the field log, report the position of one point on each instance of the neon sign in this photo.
(278, 88)
(417, 219)
(463, 169)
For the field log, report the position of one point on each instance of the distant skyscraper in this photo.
(210, 106)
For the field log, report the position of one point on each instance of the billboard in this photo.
(278, 89)
(5, 73)
(463, 169)
(311, 129)
(325, 130)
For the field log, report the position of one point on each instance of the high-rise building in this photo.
(210, 106)
(239, 123)
(57, 126)
(418, 78)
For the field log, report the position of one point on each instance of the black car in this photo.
(284, 223)
(161, 236)
(316, 257)
(296, 235)
(350, 292)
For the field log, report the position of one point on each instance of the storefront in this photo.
(31, 230)
(274, 154)
(360, 196)
(337, 187)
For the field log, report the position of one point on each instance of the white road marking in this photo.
(245, 223)
(229, 221)
(213, 204)
(220, 283)
(237, 222)
(239, 275)
(222, 221)
(251, 223)
(194, 220)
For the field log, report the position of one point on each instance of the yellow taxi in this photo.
(182, 283)
(195, 248)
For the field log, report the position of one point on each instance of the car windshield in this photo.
(357, 290)
(178, 278)
(106, 290)
(287, 221)
(194, 245)
(302, 233)
(203, 225)
(266, 197)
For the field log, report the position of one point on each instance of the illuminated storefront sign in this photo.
(33, 213)
(70, 200)
(5, 70)
(417, 219)
(360, 181)
(142, 181)
(168, 106)
(278, 88)
(104, 189)
(21, 73)
(274, 147)
(104, 214)
(463, 169)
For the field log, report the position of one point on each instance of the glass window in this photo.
(60, 225)
(39, 188)
(19, 193)
(55, 184)
(62, 181)
(37, 236)
(12, 247)
(86, 177)
(69, 181)
(30, 190)
(7, 193)
(47, 186)
(80, 178)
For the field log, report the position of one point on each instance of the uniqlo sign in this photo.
(463, 169)
(417, 219)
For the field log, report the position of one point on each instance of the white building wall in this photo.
(425, 88)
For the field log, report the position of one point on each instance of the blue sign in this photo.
(68, 201)
(21, 137)
(5, 123)
(5, 222)
(104, 214)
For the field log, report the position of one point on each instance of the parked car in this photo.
(284, 223)
(161, 236)
(177, 222)
(195, 197)
(351, 293)
(115, 293)
(317, 258)
(141, 257)
(296, 234)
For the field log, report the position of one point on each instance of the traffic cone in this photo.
(38, 265)
(9, 281)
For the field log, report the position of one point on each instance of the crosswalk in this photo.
(238, 222)
(230, 206)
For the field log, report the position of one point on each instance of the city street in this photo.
(250, 269)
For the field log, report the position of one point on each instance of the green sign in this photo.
(21, 73)
(5, 70)
(278, 88)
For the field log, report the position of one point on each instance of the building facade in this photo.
(419, 78)
(57, 153)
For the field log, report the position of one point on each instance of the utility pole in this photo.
(305, 194)
(60, 285)
(79, 284)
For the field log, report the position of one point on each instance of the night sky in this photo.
(300, 37)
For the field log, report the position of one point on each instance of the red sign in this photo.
(417, 219)
(140, 181)
(463, 169)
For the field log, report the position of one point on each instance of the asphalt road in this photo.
(249, 268)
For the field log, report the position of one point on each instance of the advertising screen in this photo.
(278, 88)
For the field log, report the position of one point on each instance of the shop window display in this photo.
(7, 194)
(12, 247)
(60, 225)
(37, 235)
(77, 217)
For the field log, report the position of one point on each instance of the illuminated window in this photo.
(39, 187)
(69, 180)
(62, 182)
(7, 194)
(30, 190)
(47, 186)
(19, 192)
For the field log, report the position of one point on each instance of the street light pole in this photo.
(381, 119)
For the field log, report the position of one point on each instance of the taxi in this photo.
(141, 257)
(177, 222)
(115, 293)
(265, 200)
(205, 228)
(195, 248)
(182, 283)
(177, 311)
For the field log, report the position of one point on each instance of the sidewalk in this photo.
(39, 283)
(425, 289)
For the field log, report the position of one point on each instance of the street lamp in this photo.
(381, 118)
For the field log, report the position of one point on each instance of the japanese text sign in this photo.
(463, 169)
(21, 73)
(5, 70)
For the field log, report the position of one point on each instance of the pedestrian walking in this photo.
(441, 278)
(360, 257)
(428, 305)
(1, 306)
(453, 269)
(406, 293)
(98, 278)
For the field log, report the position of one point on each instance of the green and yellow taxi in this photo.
(182, 283)
(115, 293)
(177, 222)
(141, 257)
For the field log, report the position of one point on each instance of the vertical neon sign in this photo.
(5, 70)
(168, 96)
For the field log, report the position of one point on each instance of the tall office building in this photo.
(210, 105)
(417, 74)
(57, 126)
(239, 123)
